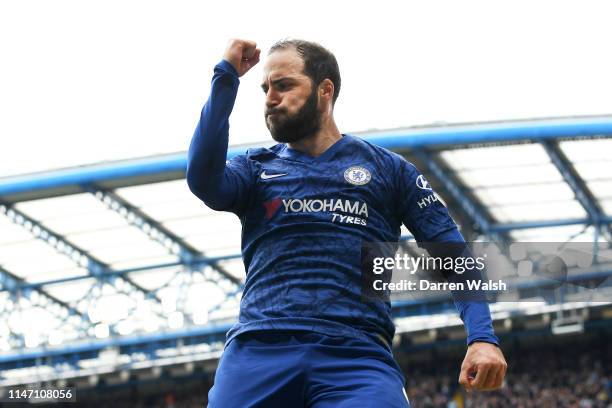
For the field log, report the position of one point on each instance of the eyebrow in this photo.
(276, 81)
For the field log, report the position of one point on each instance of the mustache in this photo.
(273, 111)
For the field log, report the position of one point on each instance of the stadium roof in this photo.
(120, 252)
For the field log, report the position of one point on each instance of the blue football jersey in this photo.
(305, 220)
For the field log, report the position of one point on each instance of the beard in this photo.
(286, 128)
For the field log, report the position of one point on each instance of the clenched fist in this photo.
(483, 368)
(242, 54)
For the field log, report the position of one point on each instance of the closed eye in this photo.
(281, 85)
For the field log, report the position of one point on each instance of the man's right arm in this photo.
(221, 185)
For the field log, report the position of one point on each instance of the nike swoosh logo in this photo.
(265, 176)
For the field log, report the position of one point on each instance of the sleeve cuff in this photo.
(486, 338)
(227, 67)
(478, 323)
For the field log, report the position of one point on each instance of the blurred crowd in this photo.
(566, 375)
(570, 375)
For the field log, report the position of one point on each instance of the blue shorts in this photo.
(271, 369)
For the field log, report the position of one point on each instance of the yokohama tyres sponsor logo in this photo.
(328, 205)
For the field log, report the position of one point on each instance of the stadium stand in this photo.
(544, 372)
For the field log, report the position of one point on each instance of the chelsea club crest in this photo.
(357, 175)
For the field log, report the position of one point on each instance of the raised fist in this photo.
(242, 54)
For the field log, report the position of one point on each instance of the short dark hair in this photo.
(319, 63)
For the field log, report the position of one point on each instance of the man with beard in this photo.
(305, 335)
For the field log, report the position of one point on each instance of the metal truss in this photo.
(582, 192)
(156, 231)
(174, 244)
(12, 282)
(474, 210)
(195, 263)
(96, 268)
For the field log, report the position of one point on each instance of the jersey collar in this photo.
(289, 153)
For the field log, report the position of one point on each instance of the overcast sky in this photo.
(84, 82)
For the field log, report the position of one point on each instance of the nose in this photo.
(272, 98)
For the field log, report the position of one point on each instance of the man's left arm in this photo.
(424, 214)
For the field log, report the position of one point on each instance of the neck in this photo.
(319, 142)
